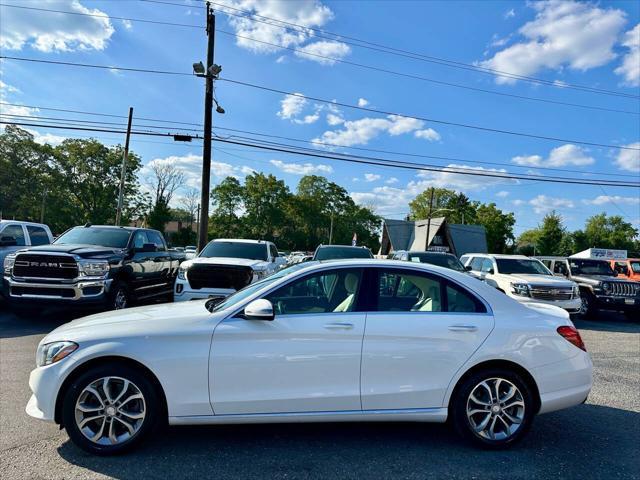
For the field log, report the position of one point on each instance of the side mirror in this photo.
(491, 271)
(615, 274)
(8, 241)
(260, 309)
(468, 268)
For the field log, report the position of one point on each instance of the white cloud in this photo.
(543, 204)
(62, 34)
(502, 194)
(578, 35)
(363, 102)
(615, 199)
(333, 119)
(428, 134)
(291, 106)
(518, 202)
(127, 24)
(391, 181)
(372, 177)
(301, 168)
(510, 14)
(450, 177)
(324, 52)
(307, 13)
(629, 159)
(49, 138)
(564, 155)
(360, 132)
(630, 67)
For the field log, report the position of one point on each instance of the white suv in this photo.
(225, 266)
(524, 279)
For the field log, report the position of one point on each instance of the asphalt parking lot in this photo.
(600, 439)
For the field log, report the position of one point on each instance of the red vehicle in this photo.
(629, 268)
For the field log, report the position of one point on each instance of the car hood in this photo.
(75, 249)
(148, 320)
(242, 262)
(549, 280)
(597, 279)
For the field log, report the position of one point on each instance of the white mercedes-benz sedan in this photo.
(351, 340)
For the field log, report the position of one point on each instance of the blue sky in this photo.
(589, 44)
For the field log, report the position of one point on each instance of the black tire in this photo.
(588, 308)
(150, 402)
(461, 400)
(119, 293)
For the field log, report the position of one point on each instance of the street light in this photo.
(198, 69)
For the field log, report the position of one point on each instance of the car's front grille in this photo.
(219, 276)
(45, 266)
(552, 293)
(623, 289)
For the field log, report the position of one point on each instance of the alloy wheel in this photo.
(495, 409)
(110, 411)
(120, 300)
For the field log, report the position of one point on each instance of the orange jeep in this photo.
(629, 268)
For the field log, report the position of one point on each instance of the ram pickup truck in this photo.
(93, 266)
(600, 286)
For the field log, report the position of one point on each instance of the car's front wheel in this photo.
(493, 408)
(110, 409)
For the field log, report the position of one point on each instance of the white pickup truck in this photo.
(224, 266)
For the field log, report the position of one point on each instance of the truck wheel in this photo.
(119, 296)
(587, 308)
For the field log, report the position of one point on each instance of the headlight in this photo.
(521, 289)
(94, 268)
(182, 273)
(259, 275)
(576, 291)
(54, 352)
(606, 287)
(9, 260)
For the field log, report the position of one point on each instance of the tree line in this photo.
(77, 182)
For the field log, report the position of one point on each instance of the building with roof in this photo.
(434, 235)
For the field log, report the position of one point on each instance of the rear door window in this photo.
(487, 265)
(38, 235)
(476, 264)
(16, 232)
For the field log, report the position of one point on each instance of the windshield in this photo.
(590, 267)
(250, 251)
(249, 290)
(104, 237)
(525, 266)
(441, 260)
(333, 253)
(635, 266)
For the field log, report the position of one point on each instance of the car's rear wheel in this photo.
(110, 409)
(493, 408)
(119, 296)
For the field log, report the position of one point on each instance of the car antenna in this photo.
(87, 225)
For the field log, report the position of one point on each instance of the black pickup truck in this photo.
(93, 266)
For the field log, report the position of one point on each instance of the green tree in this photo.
(227, 202)
(551, 234)
(443, 201)
(265, 201)
(498, 225)
(527, 241)
(159, 216)
(603, 231)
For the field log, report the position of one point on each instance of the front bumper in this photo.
(571, 306)
(607, 302)
(44, 382)
(183, 292)
(85, 291)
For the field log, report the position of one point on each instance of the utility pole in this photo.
(429, 218)
(203, 226)
(198, 217)
(331, 230)
(125, 157)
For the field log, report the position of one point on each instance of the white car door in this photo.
(423, 329)
(305, 360)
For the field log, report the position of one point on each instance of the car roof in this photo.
(497, 255)
(20, 222)
(240, 240)
(130, 229)
(341, 246)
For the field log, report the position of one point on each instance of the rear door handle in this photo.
(463, 328)
(338, 326)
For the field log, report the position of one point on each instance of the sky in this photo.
(595, 46)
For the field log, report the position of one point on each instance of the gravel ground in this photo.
(600, 439)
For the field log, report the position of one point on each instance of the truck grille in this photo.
(623, 289)
(552, 293)
(219, 276)
(45, 266)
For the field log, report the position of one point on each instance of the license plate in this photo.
(629, 301)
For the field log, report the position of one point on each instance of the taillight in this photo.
(571, 335)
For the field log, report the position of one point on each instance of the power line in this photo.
(248, 15)
(335, 103)
(290, 149)
(348, 62)
(262, 134)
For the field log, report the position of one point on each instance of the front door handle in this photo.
(338, 326)
(463, 328)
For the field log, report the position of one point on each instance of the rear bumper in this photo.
(564, 384)
(182, 292)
